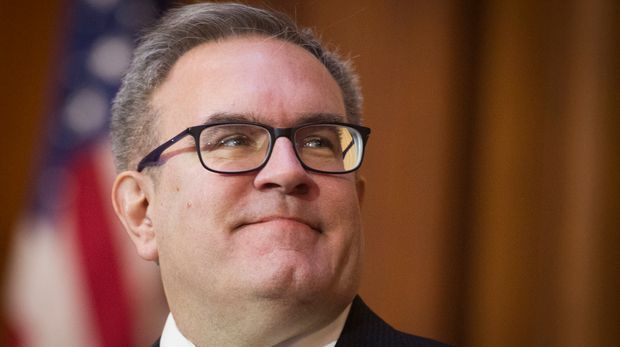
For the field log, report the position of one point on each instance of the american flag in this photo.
(74, 277)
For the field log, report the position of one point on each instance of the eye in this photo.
(234, 141)
(317, 142)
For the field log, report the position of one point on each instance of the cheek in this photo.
(340, 200)
(193, 229)
(341, 212)
(191, 209)
(347, 244)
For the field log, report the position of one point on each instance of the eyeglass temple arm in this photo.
(152, 158)
(364, 139)
(344, 153)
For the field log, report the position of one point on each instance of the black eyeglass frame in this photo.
(152, 158)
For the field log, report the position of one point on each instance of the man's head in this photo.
(277, 249)
(133, 118)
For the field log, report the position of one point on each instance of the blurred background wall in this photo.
(492, 213)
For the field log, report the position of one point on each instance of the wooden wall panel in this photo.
(28, 32)
(540, 274)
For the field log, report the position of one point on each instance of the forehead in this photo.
(269, 80)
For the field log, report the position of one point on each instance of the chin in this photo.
(295, 288)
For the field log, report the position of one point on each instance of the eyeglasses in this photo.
(334, 148)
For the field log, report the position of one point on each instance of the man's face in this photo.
(277, 233)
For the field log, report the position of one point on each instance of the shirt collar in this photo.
(326, 336)
(171, 336)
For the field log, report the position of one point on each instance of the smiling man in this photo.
(237, 138)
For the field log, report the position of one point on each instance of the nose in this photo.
(283, 171)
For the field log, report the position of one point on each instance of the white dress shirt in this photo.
(326, 336)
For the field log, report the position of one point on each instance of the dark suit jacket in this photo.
(364, 328)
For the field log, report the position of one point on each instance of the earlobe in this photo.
(130, 197)
(360, 186)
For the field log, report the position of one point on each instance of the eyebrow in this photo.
(305, 118)
(322, 118)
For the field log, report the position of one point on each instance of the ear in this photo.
(360, 186)
(131, 193)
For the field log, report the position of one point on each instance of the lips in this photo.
(283, 219)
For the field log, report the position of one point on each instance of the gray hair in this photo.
(133, 131)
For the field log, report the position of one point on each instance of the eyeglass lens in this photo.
(243, 147)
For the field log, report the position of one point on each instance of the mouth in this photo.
(283, 220)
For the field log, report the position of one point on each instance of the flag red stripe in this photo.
(99, 256)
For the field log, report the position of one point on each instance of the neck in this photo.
(265, 323)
